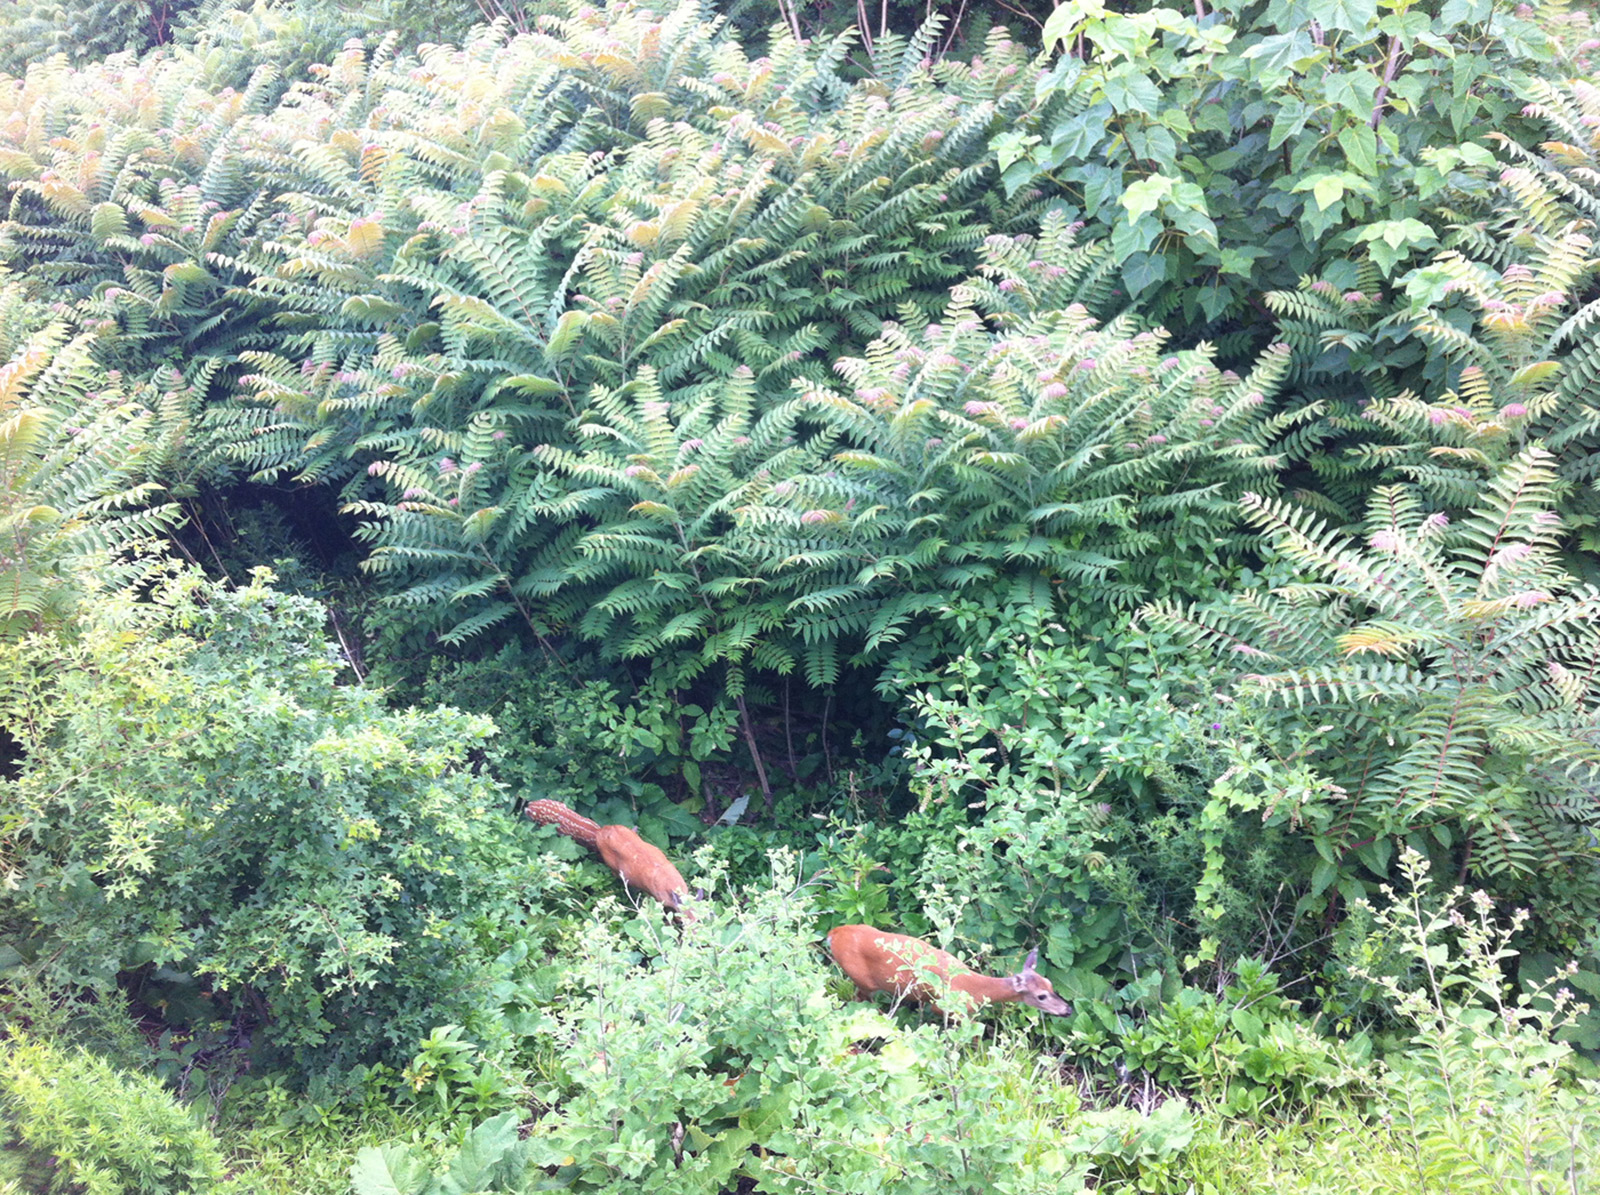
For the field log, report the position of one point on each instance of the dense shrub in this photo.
(1433, 687)
(198, 793)
(34, 30)
(84, 1126)
(75, 471)
(682, 380)
(693, 1063)
(1238, 148)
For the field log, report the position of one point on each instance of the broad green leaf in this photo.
(1326, 189)
(1132, 236)
(1127, 35)
(1128, 89)
(1241, 260)
(1078, 135)
(1455, 13)
(1100, 184)
(1360, 145)
(388, 1170)
(1355, 91)
(1375, 855)
(1142, 271)
(1247, 1024)
(1146, 194)
(1011, 146)
(1063, 24)
(1426, 286)
(1353, 16)
(1018, 175)
(482, 1154)
(1391, 241)
(1284, 54)
(1216, 299)
(1323, 876)
(1289, 122)
(1399, 233)
(1153, 143)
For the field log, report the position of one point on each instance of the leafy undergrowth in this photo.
(720, 1057)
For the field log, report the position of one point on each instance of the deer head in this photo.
(1033, 988)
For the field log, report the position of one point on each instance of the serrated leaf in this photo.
(371, 309)
(365, 237)
(388, 1170)
(565, 332)
(482, 1156)
(108, 220)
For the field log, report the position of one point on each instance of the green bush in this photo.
(1059, 783)
(1241, 146)
(74, 472)
(587, 735)
(1433, 685)
(33, 30)
(693, 1063)
(200, 801)
(86, 1127)
(1482, 1098)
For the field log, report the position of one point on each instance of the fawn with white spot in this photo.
(878, 961)
(638, 864)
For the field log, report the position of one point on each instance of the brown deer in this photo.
(878, 961)
(638, 864)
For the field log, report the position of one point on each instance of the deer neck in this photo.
(995, 988)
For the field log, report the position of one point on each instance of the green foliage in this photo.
(32, 31)
(1526, 280)
(1055, 451)
(457, 312)
(515, 353)
(1247, 1051)
(1060, 777)
(467, 262)
(1483, 1099)
(131, 207)
(87, 1127)
(1484, 349)
(669, 378)
(445, 1075)
(1130, 1147)
(583, 735)
(693, 1062)
(1448, 672)
(295, 35)
(198, 794)
(74, 475)
(491, 1158)
(1236, 149)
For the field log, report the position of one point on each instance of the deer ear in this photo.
(1033, 958)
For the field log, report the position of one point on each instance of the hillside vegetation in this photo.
(1121, 483)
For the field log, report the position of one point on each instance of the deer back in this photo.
(641, 865)
(878, 961)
